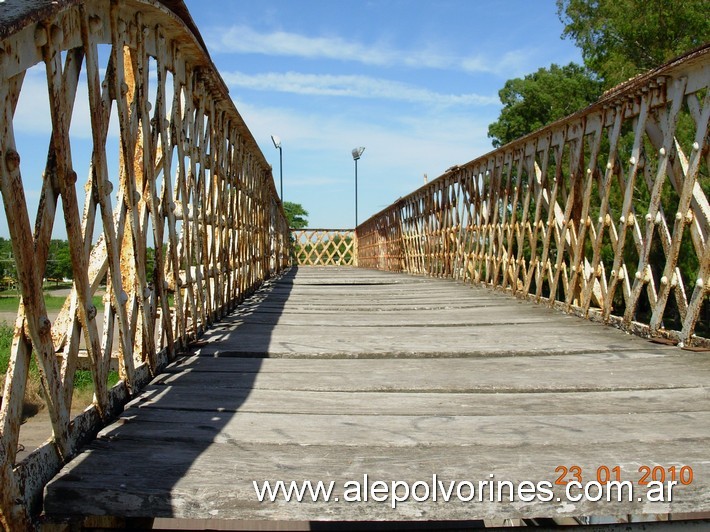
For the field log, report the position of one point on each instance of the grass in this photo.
(10, 303)
(83, 394)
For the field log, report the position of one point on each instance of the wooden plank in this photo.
(566, 428)
(212, 399)
(427, 341)
(569, 372)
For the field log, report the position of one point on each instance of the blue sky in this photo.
(416, 82)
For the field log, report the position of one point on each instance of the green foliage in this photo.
(6, 332)
(59, 262)
(7, 262)
(534, 101)
(296, 215)
(84, 381)
(622, 38)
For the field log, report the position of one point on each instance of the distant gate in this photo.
(324, 247)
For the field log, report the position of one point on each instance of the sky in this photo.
(415, 82)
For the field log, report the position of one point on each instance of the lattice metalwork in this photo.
(604, 214)
(178, 215)
(324, 247)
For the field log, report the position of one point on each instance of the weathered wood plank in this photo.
(399, 385)
(566, 372)
(442, 429)
(212, 399)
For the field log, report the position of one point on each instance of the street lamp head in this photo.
(357, 152)
(276, 140)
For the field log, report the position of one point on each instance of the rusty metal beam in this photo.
(181, 143)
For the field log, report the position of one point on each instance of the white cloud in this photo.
(512, 63)
(318, 167)
(414, 145)
(33, 116)
(352, 86)
(245, 40)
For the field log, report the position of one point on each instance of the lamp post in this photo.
(357, 152)
(277, 144)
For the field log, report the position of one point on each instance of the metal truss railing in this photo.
(604, 213)
(176, 222)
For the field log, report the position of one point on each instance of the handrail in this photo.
(603, 214)
(191, 183)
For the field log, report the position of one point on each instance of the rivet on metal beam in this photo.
(91, 312)
(12, 160)
(44, 325)
(57, 35)
(95, 24)
(40, 36)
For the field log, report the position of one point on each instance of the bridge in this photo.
(534, 318)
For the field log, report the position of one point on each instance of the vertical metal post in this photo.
(355, 192)
(357, 152)
(281, 175)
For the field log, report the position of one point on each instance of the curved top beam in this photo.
(17, 15)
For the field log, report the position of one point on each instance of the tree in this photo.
(540, 98)
(59, 261)
(622, 38)
(296, 215)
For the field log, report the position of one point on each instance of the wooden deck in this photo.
(332, 374)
